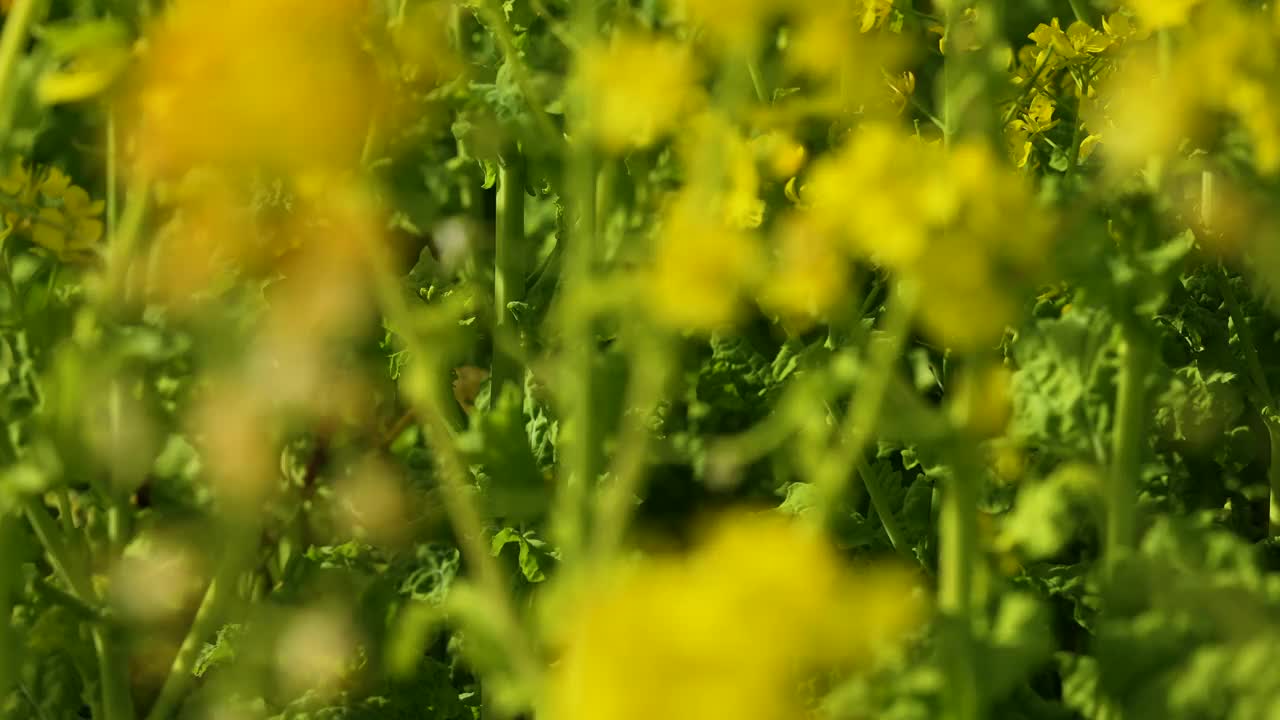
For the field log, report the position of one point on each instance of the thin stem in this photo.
(430, 405)
(208, 619)
(509, 270)
(1128, 437)
(615, 501)
(117, 703)
(859, 423)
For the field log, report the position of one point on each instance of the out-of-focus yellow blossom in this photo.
(964, 231)
(811, 273)
(702, 265)
(781, 154)
(1155, 102)
(1159, 14)
(56, 215)
(965, 29)
(726, 631)
(635, 89)
(722, 164)
(246, 83)
(730, 23)
(853, 70)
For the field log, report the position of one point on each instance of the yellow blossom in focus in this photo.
(1158, 14)
(701, 267)
(635, 89)
(246, 83)
(728, 630)
(55, 214)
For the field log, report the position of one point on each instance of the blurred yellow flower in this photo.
(726, 631)
(730, 23)
(810, 275)
(702, 266)
(635, 89)
(246, 83)
(1158, 14)
(961, 228)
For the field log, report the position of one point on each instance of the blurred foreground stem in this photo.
(17, 28)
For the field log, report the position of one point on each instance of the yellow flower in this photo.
(734, 24)
(727, 631)
(1159, 14)
(955, 224)
(701, 266)
(635, 89)
(811, 273)
(235, 83)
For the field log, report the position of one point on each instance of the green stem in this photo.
(1128, 437)
(509, 270)
(208, 619)
(17, 27)
(117, 701)
(431, 404)
(617, 499)
(957, 566)
(859, 423)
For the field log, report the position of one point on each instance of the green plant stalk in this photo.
(509, 268)
(430, 404)
(957, 551)
(208, 619)
(858, 427)
(1127, 440)
(17, 27)
(615, 501)
(117, 701)
(9, 579)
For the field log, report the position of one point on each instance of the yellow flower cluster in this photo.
(1159, 14)
(727, 631)
(55, 214)
(735, 23)
(1060, 64)
(1159, 97)
(635, 89)
(235, 83)
(963, 230)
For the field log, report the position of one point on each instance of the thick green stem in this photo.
(1128, 438)
(957, 567)
(17, 28)
(509, 268)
